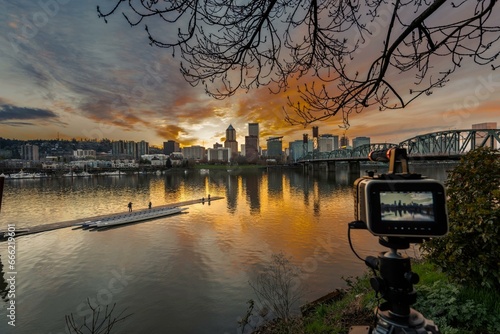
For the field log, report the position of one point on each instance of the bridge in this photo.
(439, 145)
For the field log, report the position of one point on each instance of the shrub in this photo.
(470, 253)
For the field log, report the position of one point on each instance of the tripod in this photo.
(395, 284)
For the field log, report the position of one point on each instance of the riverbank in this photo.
(454, 308)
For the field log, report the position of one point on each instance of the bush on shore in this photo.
(470, 253)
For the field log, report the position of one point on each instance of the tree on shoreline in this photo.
(343, 56)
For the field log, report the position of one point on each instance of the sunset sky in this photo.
(65, 72)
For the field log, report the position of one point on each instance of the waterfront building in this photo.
(160, 159)
(176, 158)
(170, 146)
(194, 152)
(82, 154)
(117, 148)
(218, 154)
(142, 148)
(30, 152)
(359, 141)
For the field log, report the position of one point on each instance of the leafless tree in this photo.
(95, 325)
(343, 55)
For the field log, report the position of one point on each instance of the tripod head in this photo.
(395, 280)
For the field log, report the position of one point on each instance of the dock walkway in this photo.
(71, 223)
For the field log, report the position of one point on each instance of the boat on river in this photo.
(130, 217)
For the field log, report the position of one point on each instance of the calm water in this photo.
(182, 274)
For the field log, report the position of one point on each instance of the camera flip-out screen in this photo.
(402, 208)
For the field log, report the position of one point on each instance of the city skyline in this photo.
(65, 73)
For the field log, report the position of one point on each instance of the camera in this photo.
(402, 208)
(400, 204)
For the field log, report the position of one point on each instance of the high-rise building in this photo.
(275, 148)
(252, 148)
(142, 148)
(117, 147)
(30, 152)
(253, 129)
(130, 149)
(328, 143)
(480, 136)
(231, 142)
(170, 146)
(296, 149)
(359, 141)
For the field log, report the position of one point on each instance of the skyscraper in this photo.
(252, 143)
(253, 129)
(231, 142)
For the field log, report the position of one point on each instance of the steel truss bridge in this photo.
(440, 145)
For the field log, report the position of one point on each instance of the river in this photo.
(187, 273)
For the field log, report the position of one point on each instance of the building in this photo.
(253, 129)
(296, 149)
(359, 141)
(480, 137)
(82, 154)
(117, 148)
(275, 148)
(218, 154)
(195, 152)
(30, 152)
(344, 142)
(252, 148)
(170, 146)
(130, 149)
(328, 143)
(231, 142)
(142, 148)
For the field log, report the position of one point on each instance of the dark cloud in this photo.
(9, 112)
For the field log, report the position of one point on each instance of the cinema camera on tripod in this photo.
(400, 208)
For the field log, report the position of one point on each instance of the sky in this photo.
(65, 73)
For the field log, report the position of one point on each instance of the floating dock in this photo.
(21, 231)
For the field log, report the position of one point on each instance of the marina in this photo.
(111, 220)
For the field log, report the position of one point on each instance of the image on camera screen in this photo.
(406, 206)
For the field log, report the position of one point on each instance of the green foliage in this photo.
(448, 305)
(470, 253)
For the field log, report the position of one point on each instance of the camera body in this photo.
(401, 206)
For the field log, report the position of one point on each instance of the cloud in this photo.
(9, 112)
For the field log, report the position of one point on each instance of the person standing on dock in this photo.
(149, 205)
(129, 206)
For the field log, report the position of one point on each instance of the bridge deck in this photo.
(70, 223)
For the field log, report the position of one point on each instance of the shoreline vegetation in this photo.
(454, 308)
